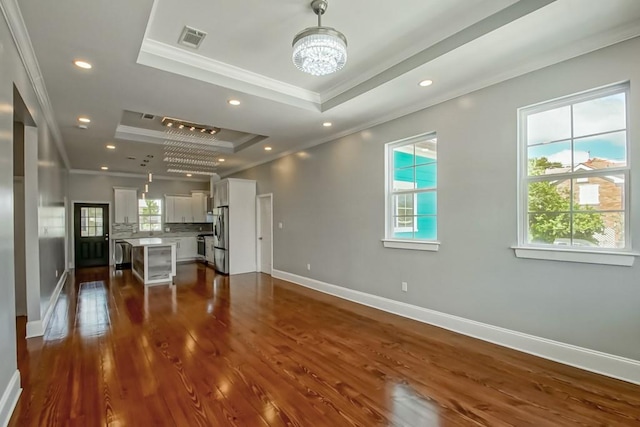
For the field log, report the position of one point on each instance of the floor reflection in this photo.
(412, 409)
(92, 315)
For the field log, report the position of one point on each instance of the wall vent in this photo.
(148, 116)
(191, 37)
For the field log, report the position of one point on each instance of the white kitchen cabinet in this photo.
(187, 248)
(126, 205)
(221, 193)
(199, 206)
(178, 209)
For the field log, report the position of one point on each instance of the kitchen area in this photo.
(155, 223)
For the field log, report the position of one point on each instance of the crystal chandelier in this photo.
(319, 50)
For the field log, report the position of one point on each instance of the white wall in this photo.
(331, 202)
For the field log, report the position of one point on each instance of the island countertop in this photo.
(151, 241)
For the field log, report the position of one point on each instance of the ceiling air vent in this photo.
(191, 37)
(148, 116)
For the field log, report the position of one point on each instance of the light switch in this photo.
(280, 225)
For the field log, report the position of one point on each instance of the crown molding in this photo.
(135, 175)
(179, 61)
(18, 29)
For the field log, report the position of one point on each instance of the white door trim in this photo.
(259, 230)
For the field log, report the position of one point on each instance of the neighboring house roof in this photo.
(589, 165)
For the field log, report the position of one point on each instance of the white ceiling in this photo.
(462, 45)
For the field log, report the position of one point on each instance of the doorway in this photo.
(265, 233)
(91, 234)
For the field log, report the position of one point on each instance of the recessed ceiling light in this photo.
(267, 148)
(83, 64)
(83, 127)
(189, 174)
(192, 128)
(111, 147)
(180, 127)
(221, 160)
(327, 124)
(426, 83)
(169, 124)
(84, 119)
(233, 102)
(104, 168)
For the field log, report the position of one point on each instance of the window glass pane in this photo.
(403, 179)
(549, 196)
(98, 213)
(403, 156)
(83, 222)
(92, 231)
(426, 151)
(403, 204)
(604, 230)
(548, 159)
(403, 227)
(602, 193)
(550, 228)
(99, 231)
(144, 219)
(426, 228)
(84, 212)
(600, 115)
(156, 227)
(92, 212)
(145, 227)
(84, 232)
(154, 219)
(551, 125)
(99, 221)
(602, 151)
(427, 176)
(427, 203)
(601, 229)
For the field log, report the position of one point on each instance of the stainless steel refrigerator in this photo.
(221, 240)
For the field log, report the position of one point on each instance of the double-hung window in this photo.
(149, 214)
(412, 183)
(574, 172)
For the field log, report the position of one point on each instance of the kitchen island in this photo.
(153, 260)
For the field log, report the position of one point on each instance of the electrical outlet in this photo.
(309, 267)
(56, 273)
(404, 287)
(280, 225)
(167, 229)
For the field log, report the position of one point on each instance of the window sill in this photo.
(413, 245)
(623, 259)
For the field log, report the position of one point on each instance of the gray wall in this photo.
(12, 72)
(331, 202)
(89, 188)
(52, 191)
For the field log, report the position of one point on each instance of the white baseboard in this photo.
(36, 328)
(590, 360)
(9, 399)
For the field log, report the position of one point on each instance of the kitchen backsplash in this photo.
(124, 230)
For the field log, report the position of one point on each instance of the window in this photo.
(412, 189)
(91, 222)
(575, 171)
(149, 213)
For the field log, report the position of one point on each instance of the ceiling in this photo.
(139, 67)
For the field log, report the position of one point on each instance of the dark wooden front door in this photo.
(91, 234)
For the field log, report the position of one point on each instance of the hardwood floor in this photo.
(255, 351)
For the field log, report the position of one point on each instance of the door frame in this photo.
(71, 228)
(259, 231)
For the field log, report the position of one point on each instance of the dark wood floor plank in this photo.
(249, 350)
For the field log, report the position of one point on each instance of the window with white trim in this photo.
(574, 171)
(150, 214)
(412, 183)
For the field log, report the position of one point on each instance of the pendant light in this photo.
(319, 50)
